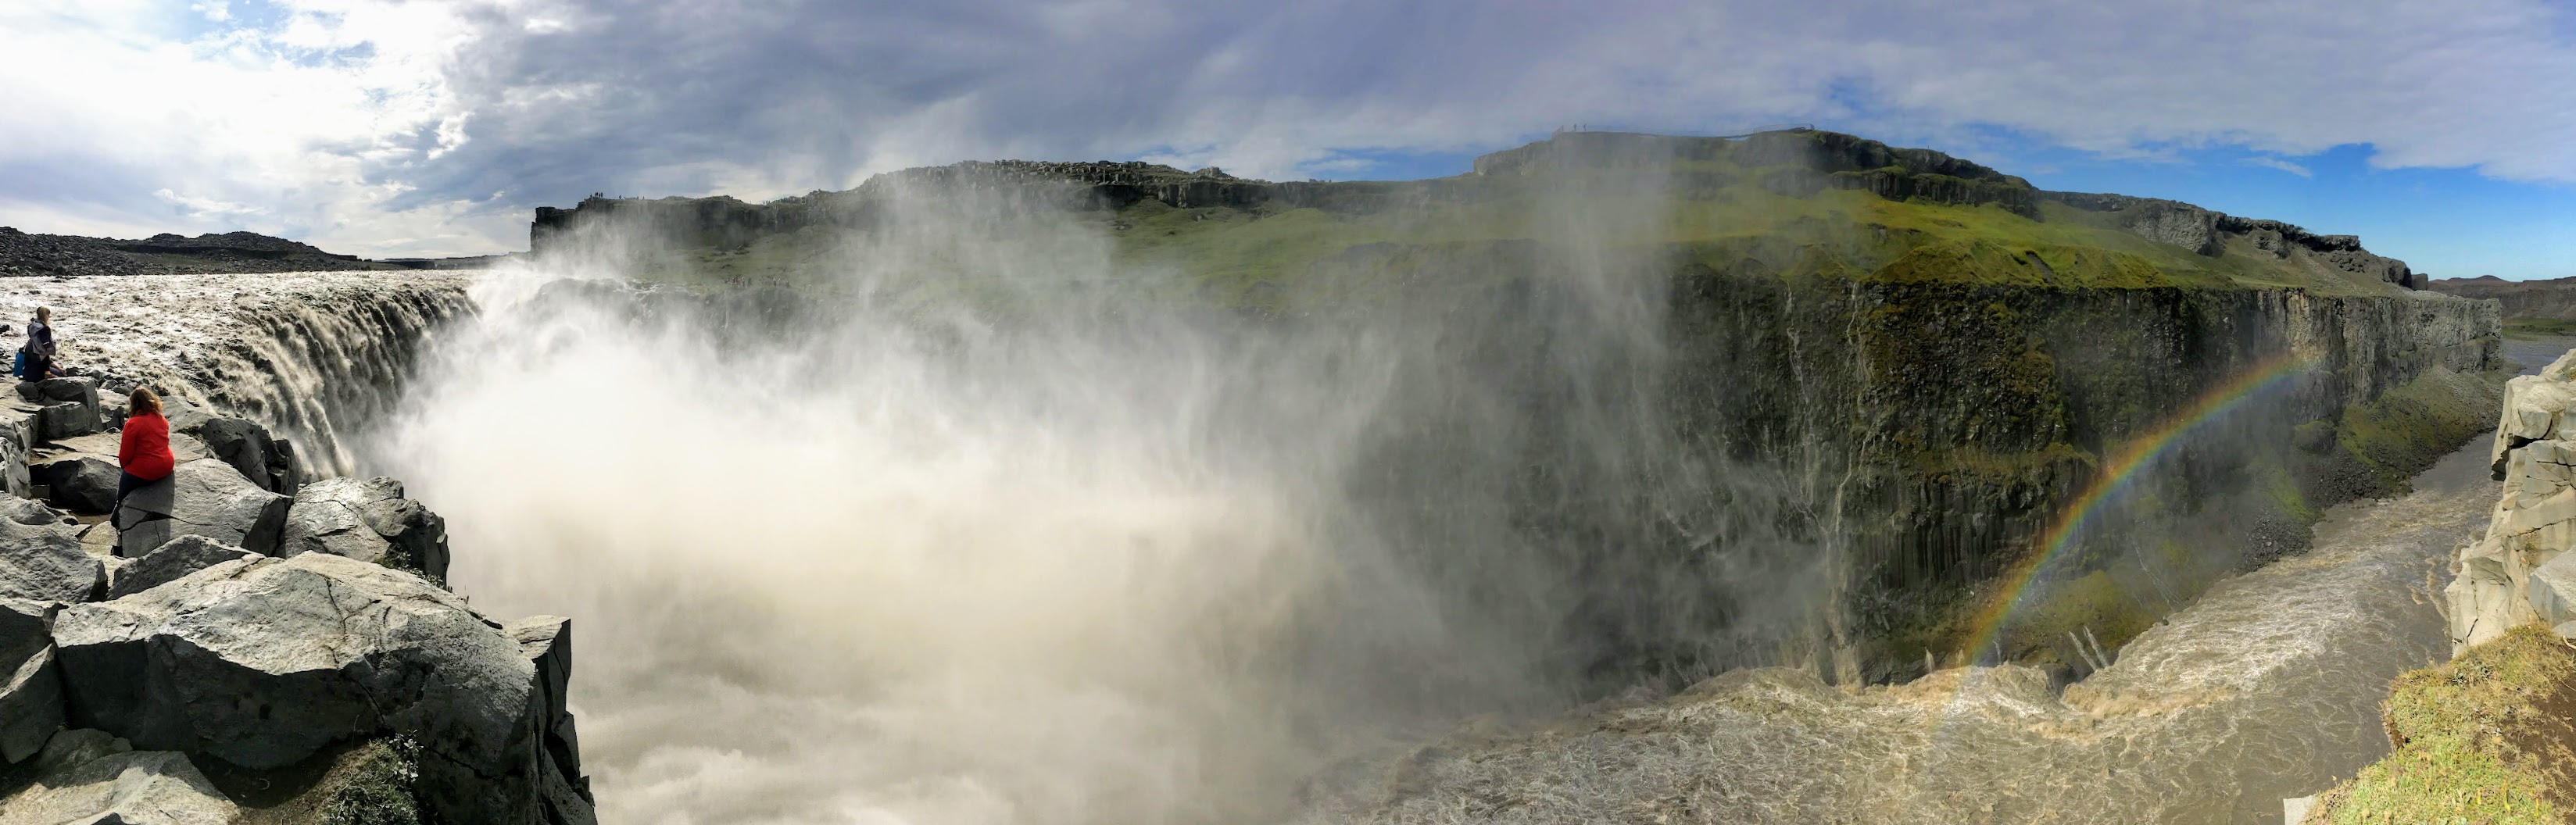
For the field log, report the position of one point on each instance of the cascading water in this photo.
(316, 355)
(1133, 566)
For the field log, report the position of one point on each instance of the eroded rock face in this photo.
(262, 662)
(2518, 572)
(205, 497)
(367, 519)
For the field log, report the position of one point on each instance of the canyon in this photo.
(1786, 478)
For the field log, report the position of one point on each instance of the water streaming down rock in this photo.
(315, 355)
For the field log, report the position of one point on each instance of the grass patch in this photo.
(2485, 738)
(2410, 426)
(2540, 327)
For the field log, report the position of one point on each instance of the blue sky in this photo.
(432, 127)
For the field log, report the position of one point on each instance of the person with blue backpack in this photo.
(36, 358)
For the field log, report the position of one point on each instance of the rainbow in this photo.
(2123, 466)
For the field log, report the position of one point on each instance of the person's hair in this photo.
(143, 401)
(44, 313)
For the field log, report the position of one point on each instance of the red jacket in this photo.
(145, 450)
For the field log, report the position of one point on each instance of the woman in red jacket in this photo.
(145, 450)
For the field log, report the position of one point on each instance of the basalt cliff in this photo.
(1886, 369)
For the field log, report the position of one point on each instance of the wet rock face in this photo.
(266, 460)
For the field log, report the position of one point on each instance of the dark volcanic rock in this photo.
(263, 663)
(79, 482)
(207, 498)
(22, 253)
(368, 520)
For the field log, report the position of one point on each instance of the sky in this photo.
(386, 128)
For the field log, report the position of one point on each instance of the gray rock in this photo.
(369, 520)
(2553, 590)
(28, 512)
(47, 564)
(171, 562)
(249, 448)
(547, 643)
(205, 497)
(66, 419)
(23, 624)
(130, 788)
(264, 662)
(31, 705)
(78, 389)
(79, 482)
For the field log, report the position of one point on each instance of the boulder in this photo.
(205, 497)
(172, 561)
(262, 662)
(46, 563)
(2553, 590)
(82, 390)
(66, 419)
(121, 786)
(546, 641)
(30, 513)
(31, 704)
(31, 695)
(23, 624)
(249, 448)
(79, 482)
(368, 520)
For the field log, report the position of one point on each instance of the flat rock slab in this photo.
(46, 564)
(207, 498)
(131, 787)
(171, 562)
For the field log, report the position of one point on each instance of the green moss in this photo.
(373, 786)
(2481, 739)
(2409, 426)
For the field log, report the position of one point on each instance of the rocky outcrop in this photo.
(2533, 300)
(171, 562)
(368, 520)
(2521, 572)
(206, 498)
(266, 460)
(264, 662)
(2213, 233)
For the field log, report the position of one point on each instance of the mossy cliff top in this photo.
(1795, 202)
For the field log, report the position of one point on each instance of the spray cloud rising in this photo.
(995, 528)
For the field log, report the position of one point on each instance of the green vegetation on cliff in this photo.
(2486, 738)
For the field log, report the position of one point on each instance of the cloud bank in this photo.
(422, 127)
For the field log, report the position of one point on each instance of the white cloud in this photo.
(312, 114)
(2269, 162)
